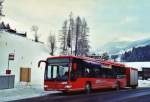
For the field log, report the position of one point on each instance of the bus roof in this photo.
(112, 63)
(100, 61)
(78, 57)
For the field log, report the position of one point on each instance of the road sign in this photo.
(11, 56)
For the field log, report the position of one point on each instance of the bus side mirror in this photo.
(39, 63)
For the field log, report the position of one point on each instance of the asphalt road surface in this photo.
(125, 95)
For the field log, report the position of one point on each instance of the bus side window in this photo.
(103, 73)
(97, 72)
(79, 70)
(87, 72)
(119, 70)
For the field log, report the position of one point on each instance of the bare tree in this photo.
(74, 37)
(63, 39)
(52, 44)
(83, 43)
(35, 29)
(71, 33)
(78, 32)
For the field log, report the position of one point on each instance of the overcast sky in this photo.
(108, 20)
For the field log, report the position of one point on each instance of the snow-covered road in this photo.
(28, 91)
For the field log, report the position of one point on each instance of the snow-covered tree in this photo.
(83, 43)
(63, 39)
(52, 44)
(71, 32)
(74, 37)
(78, 35)
(35, 29)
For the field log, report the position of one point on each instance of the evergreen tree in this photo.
(105, 56)
(137, 54)
(114, 57)
(7, 26)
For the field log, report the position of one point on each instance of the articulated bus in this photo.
(72, 73)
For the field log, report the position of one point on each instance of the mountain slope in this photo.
(114, 47)
(118, 46)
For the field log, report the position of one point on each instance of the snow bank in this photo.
(144, 83)
(22, 93)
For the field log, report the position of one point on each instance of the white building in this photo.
(27, 54)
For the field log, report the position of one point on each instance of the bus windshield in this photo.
(57, 69)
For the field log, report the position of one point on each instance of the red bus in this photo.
(71, 73)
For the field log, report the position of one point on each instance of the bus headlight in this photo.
(64, 83)
(45, 86)
(68, 86)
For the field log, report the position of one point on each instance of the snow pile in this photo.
(144, 83)
(22, 93)
(27, 54)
